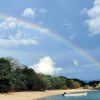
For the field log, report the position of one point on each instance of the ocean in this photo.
(94, 95)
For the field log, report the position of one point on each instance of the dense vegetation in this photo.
(17, 77)
(94, 84)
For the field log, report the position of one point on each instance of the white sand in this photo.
(35, 95)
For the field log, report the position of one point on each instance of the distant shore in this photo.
(36, 94)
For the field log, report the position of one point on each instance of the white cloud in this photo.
(83, 11)
(9, 36)
(41, 22)
(16, 42)
(16, 39)
(68, 25)
(9, 23)
(44, 30)
(94, 18)
(46, 66)
(43, 11)
(28, 12)
(76, 63)
(72, 36)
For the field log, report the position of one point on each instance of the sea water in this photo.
(94, 95)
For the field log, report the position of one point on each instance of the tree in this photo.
(5, 75)
(30, 78)
(14, 63)
(17, 77)
(93, 83)
(41, 82)
(82, 83)
(74, 84)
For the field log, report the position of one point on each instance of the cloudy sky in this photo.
(56, 37)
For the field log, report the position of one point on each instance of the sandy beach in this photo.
(35, 95)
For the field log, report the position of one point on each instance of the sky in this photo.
(56, 37)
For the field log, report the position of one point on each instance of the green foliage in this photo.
(5, 75)
(41, 82)
(74, 84)
(17, 77)
(93, 83)
(30, 78)
(82, 83)
(19, 80)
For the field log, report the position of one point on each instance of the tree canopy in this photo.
(17, 77)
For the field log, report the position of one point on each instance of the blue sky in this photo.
(77, 21)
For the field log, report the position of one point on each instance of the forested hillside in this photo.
(17, 77)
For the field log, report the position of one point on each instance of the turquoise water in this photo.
(91, 96)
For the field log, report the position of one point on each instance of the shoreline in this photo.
(35, 95)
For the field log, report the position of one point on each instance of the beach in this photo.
(36, 94)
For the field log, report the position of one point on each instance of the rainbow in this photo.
(54, 36)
